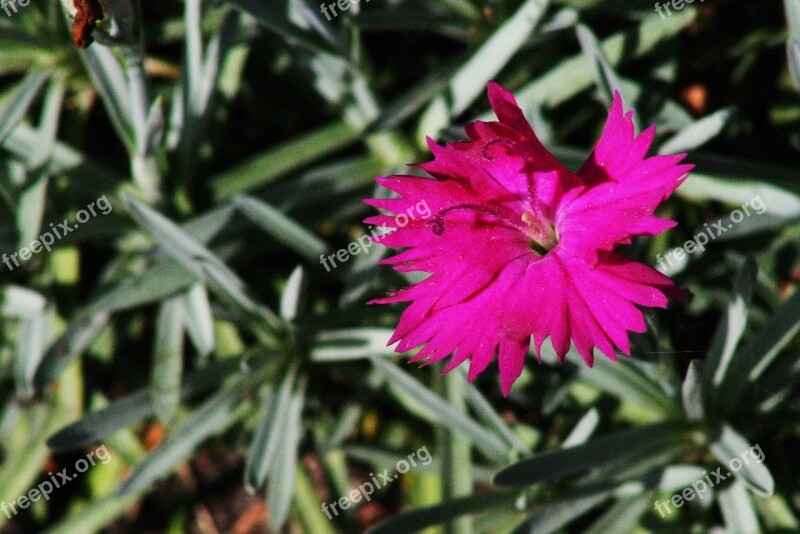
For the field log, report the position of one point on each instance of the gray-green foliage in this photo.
(286, 361)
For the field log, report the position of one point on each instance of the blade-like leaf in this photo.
(471, 79)
(293, 294)
(751, 361)
(696, 134)
(282, 228)
(280, 489)
(32, 336)
(627, 382)
(738, 510)
(80, 333)
(133, 408)
(415, 520)
(574, 74)
(606, 79)
(218, 412)
(197, 259)
(609, 449)
(276, 162)
(109, 80)
(20, 100)
(692, 392)
(199, 321)
(730, 447)
(731, 327)
(167, 369)
(439, 410)
(267, 438)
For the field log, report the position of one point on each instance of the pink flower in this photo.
(519, 246)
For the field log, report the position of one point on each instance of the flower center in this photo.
(542, 235)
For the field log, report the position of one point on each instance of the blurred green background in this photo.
(237, 385)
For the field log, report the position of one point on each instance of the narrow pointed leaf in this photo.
(440, 410)
(215, 414)
(754, 474)
(167, 369)
(605, 450)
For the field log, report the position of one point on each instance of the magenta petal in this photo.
(518, 248)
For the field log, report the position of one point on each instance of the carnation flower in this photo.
(519, 248)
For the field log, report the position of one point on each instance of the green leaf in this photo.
(30, 211)
(294, 294)
(167, 369)
(218, 412)
(606, 79)
(697, 134)
(412, 100)
(283, 159)
(122, 413)
(198, 319)
(280, 489)
(31, 339)
(793, 52)
(49, 122)
(31, 309)
(561, 511)
(440, 411)
(470, 80)
(164, 279)
(96, 516)
(753, 473)
(612, 449)
(80, 333)
(129, 410)
(777, 514)
(274, 16)
(351, 344)
(197, 259)
(626, 381)
(21, 302)
(415, 520)
(310, 516)
(583, 430)
(623, 516)
(731, 327)
(109, 79)
(20, 101)
(282, 228)
(751, 361)
(735, 189)
(738, 510)
(193, 96)
(793, 44)
(406, 17)
(311, 18)
(267, 438)
(456, 453)
(487, 413)
(573, 75)
(692, 392)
